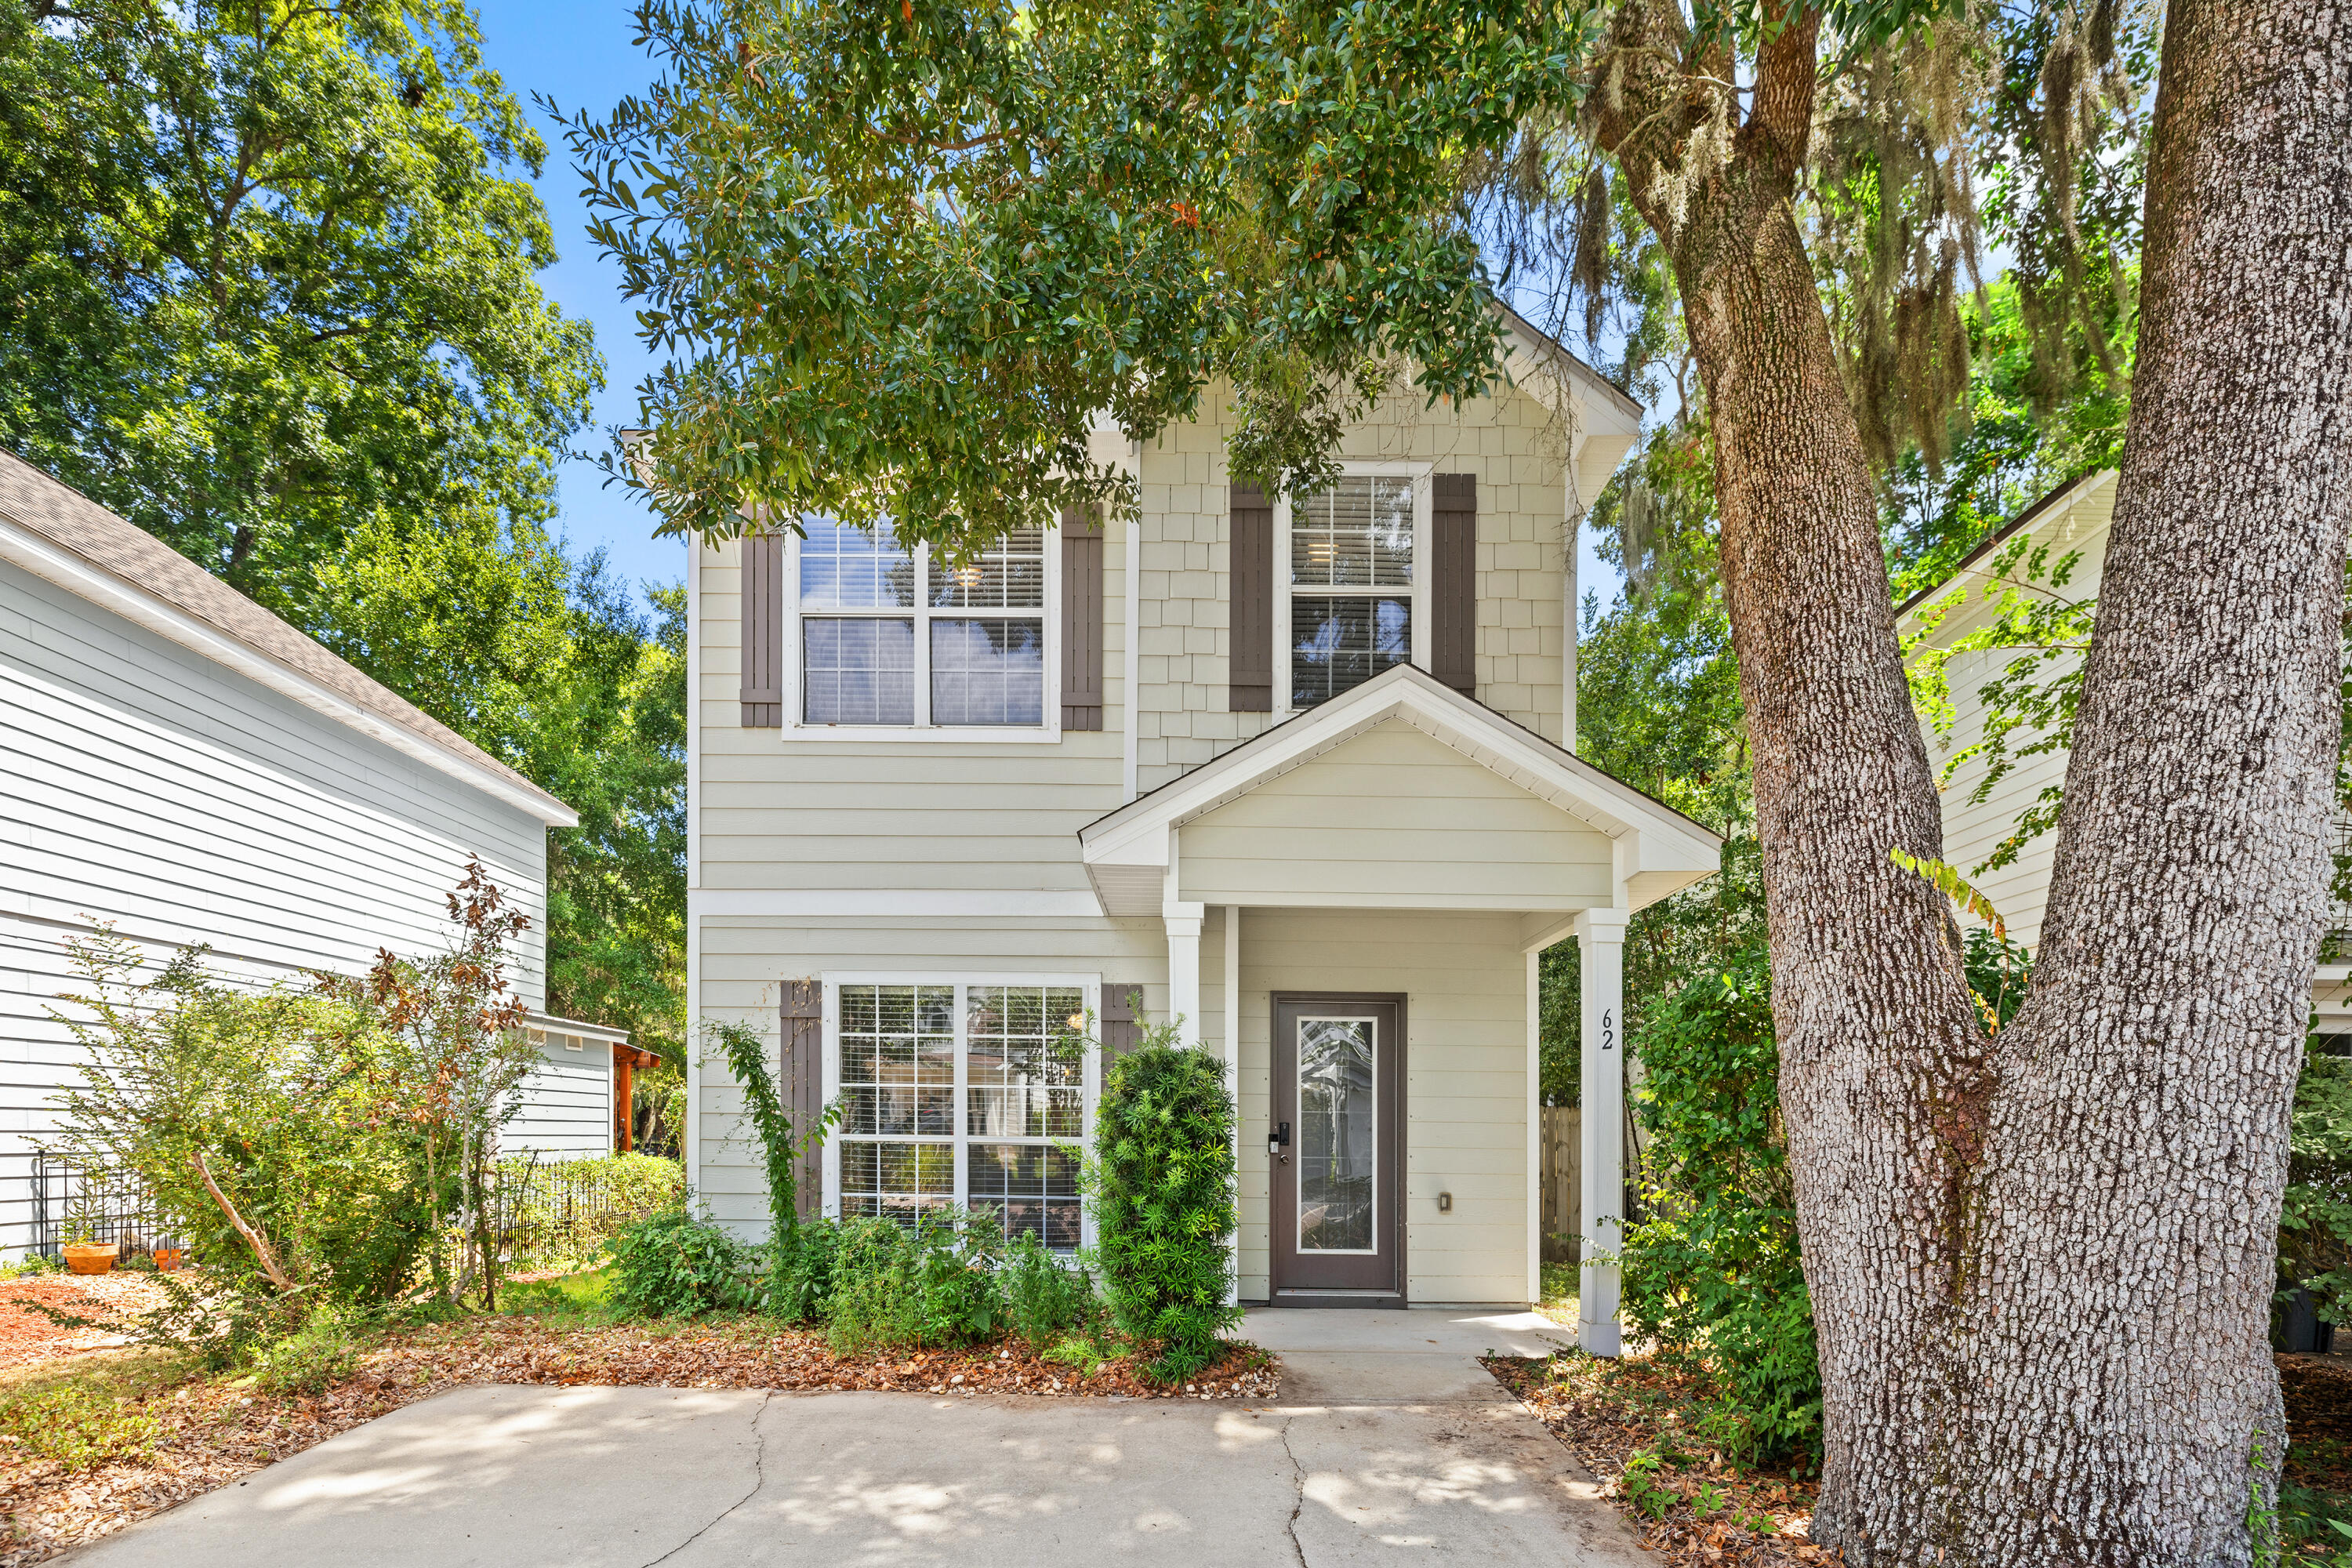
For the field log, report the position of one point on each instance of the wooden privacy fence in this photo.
(1560, 1145)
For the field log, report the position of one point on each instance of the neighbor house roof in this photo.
(2060, 497)
(56, 532)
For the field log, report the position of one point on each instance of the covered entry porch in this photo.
(1361, 896)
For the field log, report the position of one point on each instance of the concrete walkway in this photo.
(1386, 1451)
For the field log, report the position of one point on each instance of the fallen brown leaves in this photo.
(216, 1431)
(28, 1337)
(1696, 1514)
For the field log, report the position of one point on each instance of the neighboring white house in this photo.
(2071, 521)
(182, 764)
(1294, 774)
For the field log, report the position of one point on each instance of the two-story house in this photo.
(1300, 775)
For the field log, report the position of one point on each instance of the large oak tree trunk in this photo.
(2039, 1270)
(2121, 1405)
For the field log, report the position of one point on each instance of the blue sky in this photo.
(580, 54)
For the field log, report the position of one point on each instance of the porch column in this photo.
(1233, 1031)
(1600, 949)
(1182, 921)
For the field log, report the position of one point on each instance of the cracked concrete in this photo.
(510, 1476)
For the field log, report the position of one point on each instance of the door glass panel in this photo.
(1335, 1135)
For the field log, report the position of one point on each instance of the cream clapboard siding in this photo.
(148, 786)
(1463, 976)
(1393, 809)
(1464, 983)
(1511, 442)
(1971, 831)
(745, 963)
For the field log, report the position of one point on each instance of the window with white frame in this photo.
(1350, 580)
(891, 636)
(967, 1094)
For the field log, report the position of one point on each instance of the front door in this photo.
(1337, 1185)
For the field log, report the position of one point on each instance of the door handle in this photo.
(1277, 1142)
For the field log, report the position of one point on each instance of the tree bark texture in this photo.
(1880, 1060)
(2121, 1405)
(2040, 1265)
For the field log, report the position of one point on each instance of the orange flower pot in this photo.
(91, 1257)
(167, 1259)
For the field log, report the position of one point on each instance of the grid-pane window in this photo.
(1351, 585)
(964, 1092)
(893, 635)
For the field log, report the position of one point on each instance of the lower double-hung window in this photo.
(963, 1094)
(893, 637)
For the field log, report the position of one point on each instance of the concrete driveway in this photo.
(1385, 1448)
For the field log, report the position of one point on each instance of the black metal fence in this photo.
(569, 1208)
(75, 1200)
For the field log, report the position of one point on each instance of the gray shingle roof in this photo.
(43, 505)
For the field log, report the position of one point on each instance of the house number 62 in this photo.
(1608, 1030)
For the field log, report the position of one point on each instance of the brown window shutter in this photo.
(1251, 681)
(763, 631)
(1119, 1030)
(1082, 619)
(802, 1085)
(1454, 581)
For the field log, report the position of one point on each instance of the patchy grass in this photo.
(1559, 1282)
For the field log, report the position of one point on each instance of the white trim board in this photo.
(958, 903)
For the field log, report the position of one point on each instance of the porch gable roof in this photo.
(1655, 850)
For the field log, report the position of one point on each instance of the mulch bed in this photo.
(218, 1431)
(27, 1338)
(1698, 1514)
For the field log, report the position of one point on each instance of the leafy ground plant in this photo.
(1043, 1296)
(672, 1265)
(931, 1283)
(78, 1425)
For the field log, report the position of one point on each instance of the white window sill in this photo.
(888, 734)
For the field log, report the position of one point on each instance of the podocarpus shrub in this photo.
(1715, 1268)
(1163, 1179)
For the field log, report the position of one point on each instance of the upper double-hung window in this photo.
(1351, 579)
(891, 636)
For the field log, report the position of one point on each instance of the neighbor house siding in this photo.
(153, 789)
(1972, 830)
(1391, 810)
(566, 1104)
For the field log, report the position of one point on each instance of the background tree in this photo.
(903, 264)
(272, 295)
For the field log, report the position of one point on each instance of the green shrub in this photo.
(323, 1351)
(79, 1424)
(671, 1264)
(1715, 1268)
(1163, 1179)
(931, 1283)
(1043, 1297)
(800, 1285)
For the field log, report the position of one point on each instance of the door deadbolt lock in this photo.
(1277, 1142)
